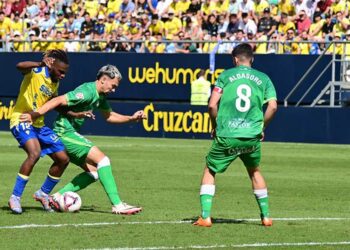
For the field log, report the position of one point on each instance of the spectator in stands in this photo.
(73, 24)
(302, 21)
(304, 47)
(261, 48)
(233, 24)
(233, 7)
(211, 25)
(156, 26)
(274, 46)
(32, 9)
(247, 24)
(173, 25)
(47, 23)
(100, 26)
(238, 38)
(246, 6)
(135, 31)
(71, 45)
(127, 7)
(222, 23)
(18, 45)
(267, 24)
(315, 31)
(113, 6)
(144, 22)
(289, 45)
(194, 7)
(336, 48)
(19, 6)
(342, 23)
(224, 47)
(33, 41)
(141, 7)
(61, 23)
(324, 6)
(58, 44)
(17, 25)
(338, 6)
(209, 46)
(327, 28)
(87, 26)
(91, 7)
(260, 6)
(286, 7)
(285, 24)
(93, 44)
(191, 30)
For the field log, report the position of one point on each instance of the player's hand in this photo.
(48, 61)
(139, 115)
(84, 114)
(29, 117)
(262, 136)
(213, 133)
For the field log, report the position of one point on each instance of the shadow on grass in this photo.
(25, 209)
(225, 221)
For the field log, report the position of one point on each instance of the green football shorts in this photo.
(77, 146)
(225, 150)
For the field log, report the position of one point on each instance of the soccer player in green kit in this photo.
(236, 112)
(81, 151)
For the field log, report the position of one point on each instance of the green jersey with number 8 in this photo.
(244, 92)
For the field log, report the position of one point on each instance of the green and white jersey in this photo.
(83, 98)
(244, 92)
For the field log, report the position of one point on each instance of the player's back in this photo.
(244, 91)
(36, 89)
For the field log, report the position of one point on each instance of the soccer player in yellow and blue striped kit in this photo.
(39, 85)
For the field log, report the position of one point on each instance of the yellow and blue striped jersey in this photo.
(36, 89)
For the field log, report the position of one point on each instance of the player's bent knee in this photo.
(94, 175)
(34, 156)
(104, 162)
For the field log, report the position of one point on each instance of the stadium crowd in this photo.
(289, 26)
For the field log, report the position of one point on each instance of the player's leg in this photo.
(251, 161)
(97, 158)
(77, 147)
(82, 180)
(52, 146)
(218, 159)
(25, 135)
(261, 195)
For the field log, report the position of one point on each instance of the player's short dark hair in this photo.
(58, 54)
(243, 50)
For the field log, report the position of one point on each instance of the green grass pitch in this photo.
(163, 175)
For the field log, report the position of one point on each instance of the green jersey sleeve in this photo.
(270, 92)
(220, 83)
(79, 96)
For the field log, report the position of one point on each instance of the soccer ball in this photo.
(69, 202)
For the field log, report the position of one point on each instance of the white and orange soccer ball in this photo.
(69, 202)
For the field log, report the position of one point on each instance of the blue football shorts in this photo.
(49, 141)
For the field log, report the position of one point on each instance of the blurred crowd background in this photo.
(175, 26)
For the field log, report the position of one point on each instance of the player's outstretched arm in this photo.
(50, 105)
(114, 117)
(26, 66)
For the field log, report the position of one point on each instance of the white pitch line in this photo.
(286, 244)
(96, 224)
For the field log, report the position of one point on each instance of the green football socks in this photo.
(263, 202)
(206, 203)
(79, 182)
(107, 180)
(206, 198)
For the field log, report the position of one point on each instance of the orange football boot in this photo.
(203, 222)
